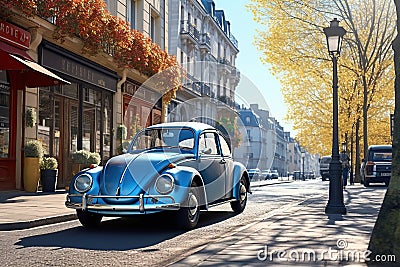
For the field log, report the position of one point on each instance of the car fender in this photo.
(239, 170)
(95, 173)
(183, 178)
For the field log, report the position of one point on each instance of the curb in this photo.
(36, 223)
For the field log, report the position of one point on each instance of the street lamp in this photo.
(344, 146)
(334, 36)
(303, 155)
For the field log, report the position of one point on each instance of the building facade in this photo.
(258, 146)
(200, 37)
(84, 113)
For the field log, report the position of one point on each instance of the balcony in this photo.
(227, 100)
(205, 42)
(224, 66)
(234, 41)
(189, 31)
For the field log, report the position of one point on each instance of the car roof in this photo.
(377, 147)
(197, 126)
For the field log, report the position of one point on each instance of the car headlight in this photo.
(165, 184)
(83, 183)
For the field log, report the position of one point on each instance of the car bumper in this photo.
(377, 179)
(141, 206)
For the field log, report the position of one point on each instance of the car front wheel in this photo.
(188, 215)
(239, 205)
(89, 219)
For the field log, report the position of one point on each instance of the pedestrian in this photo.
(344, 158)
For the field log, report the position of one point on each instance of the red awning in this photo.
(35, 75)
(22, 69)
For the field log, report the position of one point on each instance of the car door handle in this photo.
(223, 161)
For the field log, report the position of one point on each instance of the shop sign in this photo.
(14, 35)
(78, 70)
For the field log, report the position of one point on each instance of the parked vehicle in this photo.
(181, 167)
(274, 174)
(377, 168)
(324, 167)
(254, 174)
(266, 174)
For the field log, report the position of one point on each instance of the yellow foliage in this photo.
(294, 44)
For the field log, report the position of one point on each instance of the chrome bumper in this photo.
(142, 207)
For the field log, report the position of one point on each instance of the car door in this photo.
(227, 161)
(211, 166)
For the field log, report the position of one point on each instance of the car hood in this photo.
(132, 174)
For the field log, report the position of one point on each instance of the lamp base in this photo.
(329, 209)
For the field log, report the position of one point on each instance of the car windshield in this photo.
(163, 138)
(381, 155)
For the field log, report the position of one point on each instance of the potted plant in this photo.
(82, 159)
(48, 174)
(33, 153)
(121, 136)
(30, 117)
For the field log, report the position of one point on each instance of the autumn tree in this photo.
(385, 238)
(293, 43)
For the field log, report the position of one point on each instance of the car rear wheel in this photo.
(89, 219)
(239, 205)
(188, 215)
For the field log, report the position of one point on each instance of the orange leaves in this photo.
(102, 32)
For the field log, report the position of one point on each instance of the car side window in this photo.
(208, 144)
(226, 151)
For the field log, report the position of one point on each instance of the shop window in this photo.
(4, 120)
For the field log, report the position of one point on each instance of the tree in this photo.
(295, 48)
(385, 238)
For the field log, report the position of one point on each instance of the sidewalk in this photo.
(300, 234)
(22, 210)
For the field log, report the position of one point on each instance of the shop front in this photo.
(77, 116)
(17, 71)
(142, 107)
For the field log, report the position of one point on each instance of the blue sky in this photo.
(248, 61)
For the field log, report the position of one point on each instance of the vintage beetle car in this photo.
(184, 167)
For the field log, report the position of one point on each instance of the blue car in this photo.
(182, 167)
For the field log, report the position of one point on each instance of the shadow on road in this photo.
(121, 234)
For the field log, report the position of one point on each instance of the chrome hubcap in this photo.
(243, 192)
(193, 204)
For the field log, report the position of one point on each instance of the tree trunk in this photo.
(385, 238)
(358, 165)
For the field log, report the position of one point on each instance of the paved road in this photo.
(142, 241)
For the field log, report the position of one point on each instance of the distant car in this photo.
(274, 174)
(377, 168)
(180, 167)
(324, 167)
(266, 174)
(254, 174)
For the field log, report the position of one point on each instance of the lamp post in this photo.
(303, 155)
(334, 35)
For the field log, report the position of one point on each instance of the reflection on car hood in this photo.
(131, 174)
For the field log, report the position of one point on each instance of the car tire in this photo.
(366, 184)
(89, 219)
(239, 205)
(188, 215)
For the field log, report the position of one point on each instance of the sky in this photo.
(254, 74)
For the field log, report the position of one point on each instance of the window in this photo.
(226, 151)
(4, 119)
(208, 144)
(152, 28)
(131, 13)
